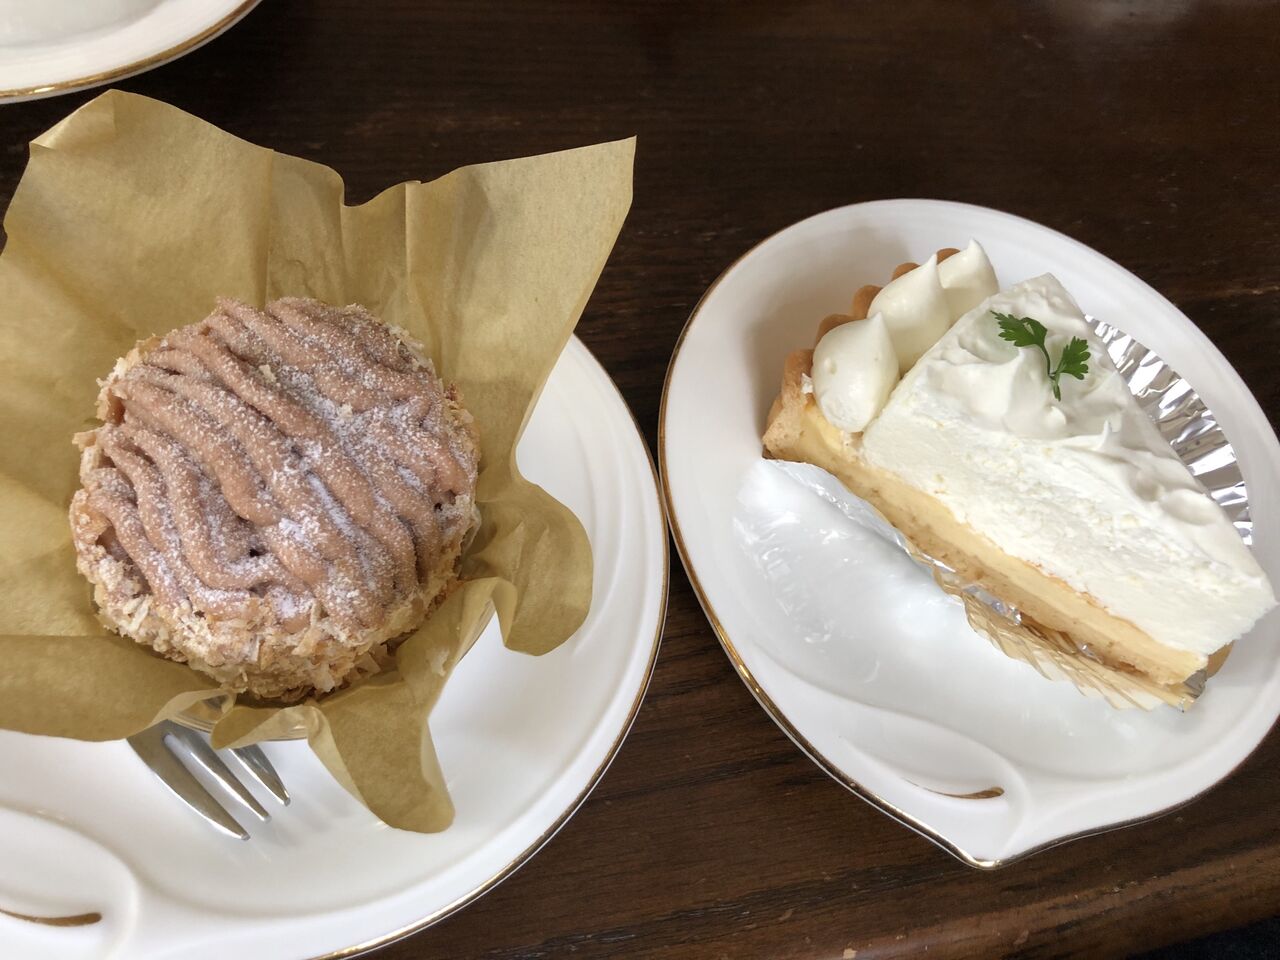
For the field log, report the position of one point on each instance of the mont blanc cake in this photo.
(992, 428)
(274, 495)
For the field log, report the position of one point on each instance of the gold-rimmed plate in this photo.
(86, 831)
(51, 47)
(850, 648)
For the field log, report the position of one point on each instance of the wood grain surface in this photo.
(1150, 131)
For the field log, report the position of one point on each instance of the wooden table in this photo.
(1153, 137)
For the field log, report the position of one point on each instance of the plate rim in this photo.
(770, 708)
(210, 32)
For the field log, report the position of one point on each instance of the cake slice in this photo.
(1074, 508)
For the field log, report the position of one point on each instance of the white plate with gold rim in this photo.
(49, 47)
(89, 836)
(849, 646)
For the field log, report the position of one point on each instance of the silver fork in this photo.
(161, 748)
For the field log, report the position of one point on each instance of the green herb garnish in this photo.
(1028, 332)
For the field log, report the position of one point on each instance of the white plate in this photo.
(869, 668)
(49, 47)
(86, 828)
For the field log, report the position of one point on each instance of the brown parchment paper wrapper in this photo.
(131, 218)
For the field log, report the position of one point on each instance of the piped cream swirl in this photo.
(857, 363)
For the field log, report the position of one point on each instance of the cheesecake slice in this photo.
(1073, 508)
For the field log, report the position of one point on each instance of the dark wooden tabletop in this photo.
(1150, 131)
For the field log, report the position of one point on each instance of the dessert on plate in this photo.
(275, 495)
(993, 430)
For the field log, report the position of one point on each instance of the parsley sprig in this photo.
(1029, 332)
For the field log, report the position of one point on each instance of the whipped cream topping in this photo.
(1085, 488)
(854, 370)
(968, 279)
(857, 364)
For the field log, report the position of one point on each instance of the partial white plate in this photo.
(48, 47)
(851, 648)
(87, 829)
